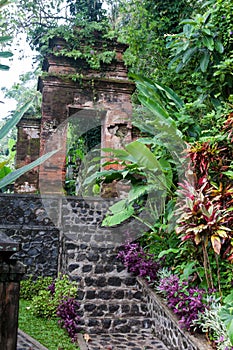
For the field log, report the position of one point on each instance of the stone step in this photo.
(143, 340)
(110, 281)
(115, 324)
(83, 252)
(82, 268)
(124, 309)
(118, 294)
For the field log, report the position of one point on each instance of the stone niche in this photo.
(96, 98)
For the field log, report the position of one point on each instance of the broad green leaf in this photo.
(204, 61)
(4, 67)
(143, 156)
(4, 171)
(167, 170)
(6, 54)
(188, 270)
(146, 85)
(188, 21)
(171, 95)
(188, 54)
(98, 175)
(117, 152)
(168, 251)
(219, 46)
(119, 217)
(154, 107)
(229, 298)
(91, 168)
(149, 91)
(228, 173)
(19, 172)
(206, 31)
(5, 38)
(226, 315)
(180, 67)
(118, 207)
(230, 331)
(208, 41)
(137, 191)
(146, 159)
(14, 119)
(176, 58)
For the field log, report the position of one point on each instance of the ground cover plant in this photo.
(45, 331)
(50, 303)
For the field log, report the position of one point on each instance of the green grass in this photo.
(45, 331)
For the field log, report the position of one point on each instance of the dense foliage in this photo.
(181, 172)
(54, 299)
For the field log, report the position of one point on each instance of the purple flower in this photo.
(139, 262)
(51, 288)
(186, 302)
(69, 319)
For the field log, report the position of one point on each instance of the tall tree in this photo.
(90, 10)
(144, 25)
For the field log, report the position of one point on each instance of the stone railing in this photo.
(11, 273)
(165, 325)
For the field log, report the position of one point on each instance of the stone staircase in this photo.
(113, 310)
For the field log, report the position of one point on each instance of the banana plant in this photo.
(148, 176)
(137, 161)
(165, 107)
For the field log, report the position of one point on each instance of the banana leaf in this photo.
(19, 172)
(15, 119)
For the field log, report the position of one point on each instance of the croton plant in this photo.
(204, 209)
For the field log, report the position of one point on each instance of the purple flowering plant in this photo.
(63, 296)
(67, 313)
(139, 262)
(185, 301)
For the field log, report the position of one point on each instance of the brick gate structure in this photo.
(72, 90)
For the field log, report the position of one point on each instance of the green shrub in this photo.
(46, 302)
(30, 288)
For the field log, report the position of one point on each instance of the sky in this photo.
(17, 67)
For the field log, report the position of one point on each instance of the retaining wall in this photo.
(165, 325)
(42, 225)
